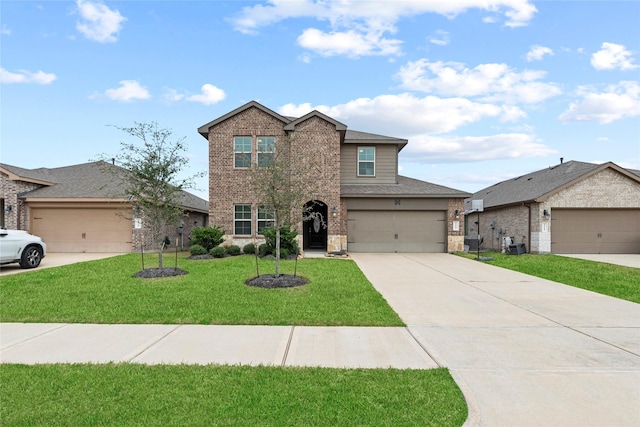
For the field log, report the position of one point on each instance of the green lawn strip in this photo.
(213, 292)
(603, 278)
(130, 395)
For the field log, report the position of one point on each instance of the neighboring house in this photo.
(573, 207)
(81, 208)
(368, 207)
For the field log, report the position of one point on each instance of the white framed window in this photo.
(366, 161)
(242, 151)
(266, 147)
(266, 217)
(242, 220)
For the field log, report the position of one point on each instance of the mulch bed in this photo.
(205, 256)
(268, 281)
(153, 273)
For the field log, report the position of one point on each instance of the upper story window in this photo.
(366, 161)
(242, 220)
(266, 146)
(242, 151)
(266, 217)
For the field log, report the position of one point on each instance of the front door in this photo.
(315, 227)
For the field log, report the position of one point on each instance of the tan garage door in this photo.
(397, 231)
(595, 231)
(82, 230)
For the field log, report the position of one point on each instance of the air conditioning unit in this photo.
(517, 249)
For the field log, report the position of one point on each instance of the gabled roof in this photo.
(204, 129)
(540, 185)
(37, 176)
(405, 187)
(289, 123)
(95, 180)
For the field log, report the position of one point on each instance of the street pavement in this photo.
(524, 351)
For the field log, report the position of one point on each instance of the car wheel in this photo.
(31, 257)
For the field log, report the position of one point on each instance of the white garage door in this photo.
(82, 230)
(595, 231)
(397, 231)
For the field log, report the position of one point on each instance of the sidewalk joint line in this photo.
(435, 359)
(64, 325)
(286, 350)
(133, 359)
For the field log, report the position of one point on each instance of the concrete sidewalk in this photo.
(525, 351)
(335, 347)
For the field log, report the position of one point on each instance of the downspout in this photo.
(529, 232)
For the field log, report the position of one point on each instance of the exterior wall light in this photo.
(457, 213)
(546, 214)
(334, 212)
(8, 209)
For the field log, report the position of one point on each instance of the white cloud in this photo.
(99, 23)
(128, 90)
(537, 52)
(210, 95)
(474, 148)
(490, 82)
(349, 43)
(24, 76)
(612, 56)
(405, 115)
(615, 103)
(362, 25)
(5, 30)
(440, 38)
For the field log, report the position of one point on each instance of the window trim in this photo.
(237, 220)
(236, 152)
(264, 221)
(259, 151)
(359, 161)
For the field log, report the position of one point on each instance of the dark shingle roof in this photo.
(406, 187)
(95, 180)
(535, 185)
(42, 175)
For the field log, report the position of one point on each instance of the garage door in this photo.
(595, 231)
(82, 230)
(397, 231)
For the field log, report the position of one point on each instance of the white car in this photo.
(21, 247)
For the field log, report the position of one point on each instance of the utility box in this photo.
(517, 249)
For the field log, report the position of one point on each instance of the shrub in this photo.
(233, 250)
(249, 248)
(207, 237)
(217, 252)
(287, 239)
(264, 249)
(197, 250)
(284, 253)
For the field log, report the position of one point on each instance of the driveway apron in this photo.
(525, 351)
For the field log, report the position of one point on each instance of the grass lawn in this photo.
(213, 292)
(129, 394)
(607, 279)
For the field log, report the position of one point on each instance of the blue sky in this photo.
(484, 90)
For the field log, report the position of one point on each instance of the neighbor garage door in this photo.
(82, 230)
(593, 231)
(397, 231)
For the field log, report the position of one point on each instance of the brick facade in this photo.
(18, 217)
(315, 142)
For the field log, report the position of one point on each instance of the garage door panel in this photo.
(595, 231)
(396, 231)
(83, 229)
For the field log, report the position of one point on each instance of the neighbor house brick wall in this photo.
(455, 239)
(18, 218)
(514, 222)
(606, 189)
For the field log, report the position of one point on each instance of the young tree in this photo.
(282, 181)
(154, 163)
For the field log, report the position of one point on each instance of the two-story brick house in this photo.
(368, 207)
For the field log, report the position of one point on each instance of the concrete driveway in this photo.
(55, 259)
(525, 351)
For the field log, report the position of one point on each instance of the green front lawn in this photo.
(128, 395)
(213, 292)
(607, 279)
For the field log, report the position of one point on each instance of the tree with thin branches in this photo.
(282, 181)
(154, 164)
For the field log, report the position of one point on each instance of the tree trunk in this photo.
(277, 252)
(160, 256)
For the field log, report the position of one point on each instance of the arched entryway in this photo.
(314, 229)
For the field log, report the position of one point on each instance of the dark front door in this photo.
(315, 228)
